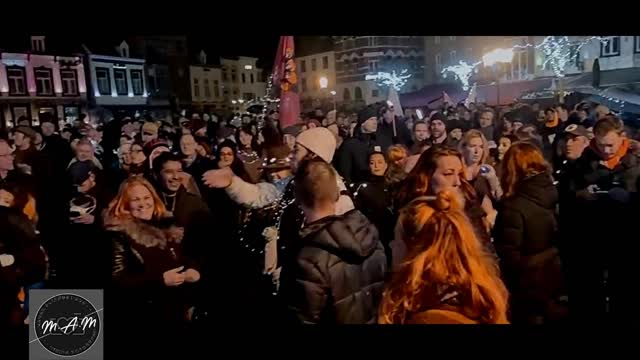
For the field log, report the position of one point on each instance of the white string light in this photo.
(557, 50)
(462, 72)
(390, 79)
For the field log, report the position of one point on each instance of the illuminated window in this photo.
(104, 81)
(69, 82)
(120, 77)
(207, 89)
(136, 82)
(610, 46)
(17, 81)
(44, 82)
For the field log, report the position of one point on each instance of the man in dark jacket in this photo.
(55, 146)
(353, 161)
(564, 173)
(84, 245)
(192, 162)
(392, 129)
(337, 275)
(190, 211)
(606, 184)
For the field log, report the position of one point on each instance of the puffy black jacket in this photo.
(386, 137)
(353, 161)
(338, 273)
(524, 236)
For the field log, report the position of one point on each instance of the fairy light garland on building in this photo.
(559, 52)
(462, 72)
(390, 79)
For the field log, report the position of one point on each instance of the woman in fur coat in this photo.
(151, 279)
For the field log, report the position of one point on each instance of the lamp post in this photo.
(333, 93)
(492, 59)
(324, 83)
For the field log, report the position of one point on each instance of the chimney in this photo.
(37, 44)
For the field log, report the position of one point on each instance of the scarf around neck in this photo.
(615, 160)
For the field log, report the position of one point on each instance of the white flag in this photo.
(395, 100)
(471, 98)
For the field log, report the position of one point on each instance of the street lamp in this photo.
(492, 59)
(241, 101)
(324, 82)
(234, 102)
(333, 93)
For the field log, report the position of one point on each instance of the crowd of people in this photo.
(471, 214)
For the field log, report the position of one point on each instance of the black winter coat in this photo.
(17, 238)
(338, 273)
(197, 168)
(374, 199)
(142, 252)
(353, 161)
(83, 246)
(524, 238)
(385, 134)
(192, 214)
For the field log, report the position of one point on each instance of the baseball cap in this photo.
(80, 171)
(577, 130)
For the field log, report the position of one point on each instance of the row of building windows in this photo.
(207, 88)
(378, 41)
(17, 80)
(325, 64)
(103, 77)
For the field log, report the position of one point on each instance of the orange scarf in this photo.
(615, 160)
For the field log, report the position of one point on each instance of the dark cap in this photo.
(367, 113)
(376, 150)
(276, 158)
(294, 130)
(438, 116)
(80, 171)
(577, 130)
(27, 131)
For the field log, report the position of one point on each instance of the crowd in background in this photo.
(466, 215)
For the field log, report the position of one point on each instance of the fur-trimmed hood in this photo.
(149, 234)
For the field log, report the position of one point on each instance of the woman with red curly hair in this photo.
(524, 235)
(447, 277)
(438, 168)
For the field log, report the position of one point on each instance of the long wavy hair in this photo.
(396, 158)
(418, 181)
(446, 256)
(522, 160)
(119, 210)
(473, 134)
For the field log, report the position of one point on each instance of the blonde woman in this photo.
(482, 176)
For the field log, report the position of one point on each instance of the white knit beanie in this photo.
(319, 141)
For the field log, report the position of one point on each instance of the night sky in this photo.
(215, 44)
